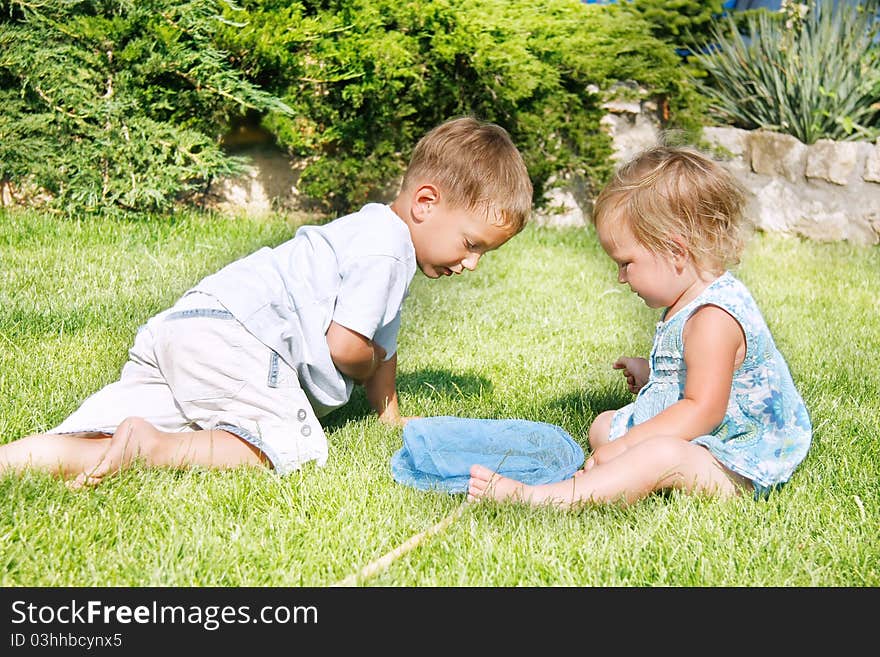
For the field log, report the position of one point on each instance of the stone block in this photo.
(817, 212)
(872, 164)
(833, 161)
(561, 209)
(630, 134)
(730, 145)
(623, 106)
(775, 154)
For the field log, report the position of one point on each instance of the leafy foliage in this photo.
(682, 23)
(122, 104)
(813, 72)
(367, 78)
(114, 103)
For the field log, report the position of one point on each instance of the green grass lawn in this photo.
(531, 334)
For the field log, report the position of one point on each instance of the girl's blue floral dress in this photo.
(766, 431)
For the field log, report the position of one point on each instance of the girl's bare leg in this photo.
(137, 438)
(652, 465)
(600, 428)
(599, 431)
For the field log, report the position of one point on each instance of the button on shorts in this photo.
(194, 366)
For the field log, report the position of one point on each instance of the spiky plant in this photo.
(811, 71)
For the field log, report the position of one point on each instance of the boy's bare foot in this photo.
(133, 437)
(485, 483)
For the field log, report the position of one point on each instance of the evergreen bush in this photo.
(116, 104)
(122, 104)
(366, 78)
(685, 24)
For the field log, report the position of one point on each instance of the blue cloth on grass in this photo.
(438, 452)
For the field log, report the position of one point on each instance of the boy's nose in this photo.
(471, 261)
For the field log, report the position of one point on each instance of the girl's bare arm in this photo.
(714, 347)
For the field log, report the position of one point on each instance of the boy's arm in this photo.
(353, 354)
(362, 360)
(382, 392)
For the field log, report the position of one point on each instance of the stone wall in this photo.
(827, 191)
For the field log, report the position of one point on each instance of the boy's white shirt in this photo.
(355, 270)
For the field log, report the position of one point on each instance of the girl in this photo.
(716, 410)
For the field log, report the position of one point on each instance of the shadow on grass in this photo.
(443, 382)
(589, 402)
(423, 382)
(577, 409)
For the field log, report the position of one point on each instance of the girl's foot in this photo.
(485, 483)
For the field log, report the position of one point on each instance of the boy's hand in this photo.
(397, 421)
(382, 393)
(636, 371)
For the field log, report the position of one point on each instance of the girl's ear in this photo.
(424, 198)
(680, 252)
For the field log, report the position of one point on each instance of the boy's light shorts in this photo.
(194, 367)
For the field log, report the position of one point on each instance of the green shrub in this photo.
(812, 75)
(366, 78)
(123, 103)
(681, 23)
(115, 104)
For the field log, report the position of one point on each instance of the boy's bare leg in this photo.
(652, 465)
(60, 454)
(137, 438)
(89, 457)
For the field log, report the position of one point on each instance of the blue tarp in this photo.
(438, 452)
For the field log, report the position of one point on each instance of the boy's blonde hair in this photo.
(476, 165)
(670, 192)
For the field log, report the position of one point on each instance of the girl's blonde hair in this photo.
(677, 192)
(477, 167)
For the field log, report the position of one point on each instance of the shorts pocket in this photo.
(201, 356)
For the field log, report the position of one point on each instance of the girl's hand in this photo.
(636, 371)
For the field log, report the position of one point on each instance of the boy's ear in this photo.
(424, 199)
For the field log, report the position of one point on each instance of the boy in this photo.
(239, 370)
